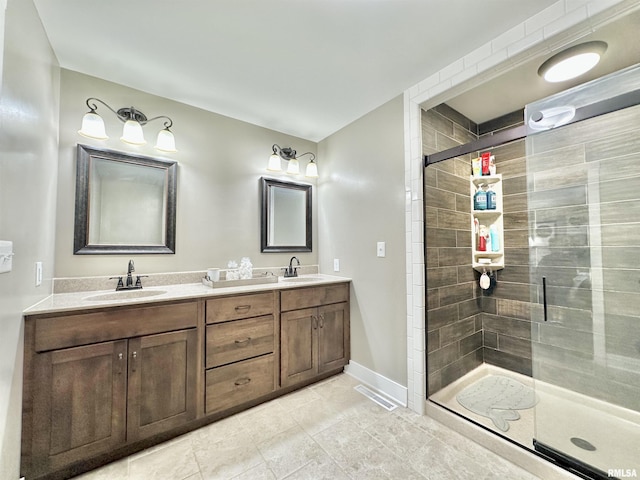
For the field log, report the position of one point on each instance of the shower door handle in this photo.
(544, 297)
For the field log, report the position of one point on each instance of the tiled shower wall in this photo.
(578, 199)
(465, 327)
(454, 321)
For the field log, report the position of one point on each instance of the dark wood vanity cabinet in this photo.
(88, 396)
(315, 332)
(241, 349)
(103, 383)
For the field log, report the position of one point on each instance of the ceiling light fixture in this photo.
(133, 119)
(290, 155)
(572, 62)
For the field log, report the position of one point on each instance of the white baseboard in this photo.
(390, 389)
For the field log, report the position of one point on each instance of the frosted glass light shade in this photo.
(166, 141)
(572, 62)
(93, 126)
(274, 163)
(132, 133)
(312, 170)
(294, 167)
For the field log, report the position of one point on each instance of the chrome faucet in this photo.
(292, 271)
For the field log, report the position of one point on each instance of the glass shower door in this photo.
(584, 243)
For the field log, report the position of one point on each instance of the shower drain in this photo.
(582, 443)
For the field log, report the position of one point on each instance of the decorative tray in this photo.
(239, 283)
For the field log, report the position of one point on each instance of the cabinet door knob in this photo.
(134, 357)
(243, 343)
(242, 381)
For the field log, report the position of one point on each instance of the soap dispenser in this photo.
(480, 199)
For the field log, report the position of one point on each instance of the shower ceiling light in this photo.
(572, 62)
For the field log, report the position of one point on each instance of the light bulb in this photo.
(93, 126)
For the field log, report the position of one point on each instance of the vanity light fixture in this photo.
(133, 119)
(572, 62)
(291, 156)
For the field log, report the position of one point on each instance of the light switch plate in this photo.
(381, 249)
(38, 274)
(336, 265)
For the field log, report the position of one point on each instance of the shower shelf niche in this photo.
(486, 261)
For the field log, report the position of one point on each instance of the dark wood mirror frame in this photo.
(82, 246)
(267, 184)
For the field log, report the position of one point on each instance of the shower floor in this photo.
(559, 416)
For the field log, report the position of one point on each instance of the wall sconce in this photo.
(93, 126)
(572, 62)
(290, 155)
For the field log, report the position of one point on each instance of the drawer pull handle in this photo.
(242, 381)
(243, 343)
(321, 321)
(243, 308)
(314, 322)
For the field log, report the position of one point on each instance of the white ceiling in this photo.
(514, 89)
(301, 67)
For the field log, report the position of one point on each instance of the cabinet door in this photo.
(80, 394)
(162, 382)
(299, 355)
(333, 336)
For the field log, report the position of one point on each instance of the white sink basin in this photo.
(124, 295)
(300, 279)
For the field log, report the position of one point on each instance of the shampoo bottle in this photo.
(491, 199)
(494, 237)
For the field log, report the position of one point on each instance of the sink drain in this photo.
(582, 443)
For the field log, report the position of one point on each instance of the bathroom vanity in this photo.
(106, 378)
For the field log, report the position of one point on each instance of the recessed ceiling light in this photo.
(572, 62)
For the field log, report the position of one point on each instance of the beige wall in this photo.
(362, 202)
(28, 165)
(220, 163)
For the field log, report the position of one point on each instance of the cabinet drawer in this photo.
(239, 306)
(82, 329)
(238, 340)
(313, 296)
(239, 383)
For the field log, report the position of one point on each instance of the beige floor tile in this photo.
(289, 451)
(259, 472)
(325, 431)
(227, 458)
(437, 461)
(266, 421)
(316, 416)
(345, 441)
(175, 461)
(321, 468)
(398, 435)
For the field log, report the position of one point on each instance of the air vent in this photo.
(383, 402)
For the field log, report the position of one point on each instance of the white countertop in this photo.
(68, 302)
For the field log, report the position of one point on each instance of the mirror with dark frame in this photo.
(124, 203)
(286, 216)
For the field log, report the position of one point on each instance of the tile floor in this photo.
(325, 431)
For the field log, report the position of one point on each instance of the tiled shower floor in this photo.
(325, 431)
(560, 415)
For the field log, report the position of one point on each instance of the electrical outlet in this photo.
(336, 265)
(381, 249)
(38, 274)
